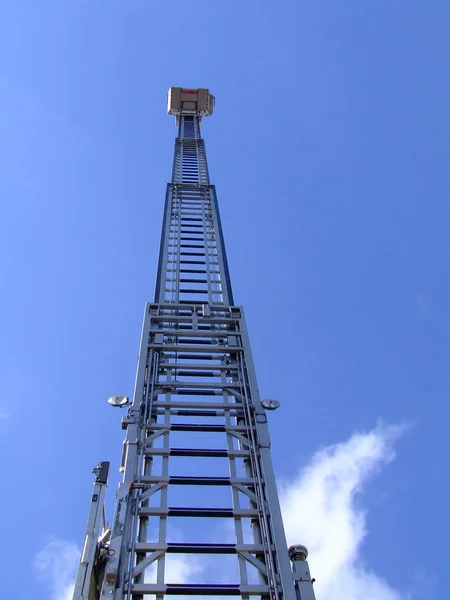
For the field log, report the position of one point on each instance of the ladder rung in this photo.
(198, 427)
(197, 348)
(209, 452)
(196, 340)
(199, 405)
(187, 511)
(192, 480)
(198, 548)
(195, 427)
(194, 392)
(197, 452)
(183, 337)
(191, 280)
(193, 262)
(191, 328)
(186, 366)
(195, 373)
(191, 301)
(197, 387)
(191, 391)
(187, 480)
(198, 589)
(194, 331)
(195, 413)
(202, 427)
(193, 357)
(197, 480)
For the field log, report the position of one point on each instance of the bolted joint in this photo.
(138, 486)
(298, 552)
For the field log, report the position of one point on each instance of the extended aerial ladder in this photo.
(195, 381)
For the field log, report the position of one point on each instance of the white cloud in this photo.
(320, 511)
(180, 569)
(56, 564)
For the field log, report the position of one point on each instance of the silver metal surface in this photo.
(93, 556)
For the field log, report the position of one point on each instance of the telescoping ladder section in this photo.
(196, 458)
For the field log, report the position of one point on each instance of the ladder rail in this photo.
(85, 585)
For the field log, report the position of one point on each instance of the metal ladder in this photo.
(196, 378)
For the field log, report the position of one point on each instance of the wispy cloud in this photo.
(320, 511)
(56, 564)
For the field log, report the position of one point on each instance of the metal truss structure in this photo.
(195, 383)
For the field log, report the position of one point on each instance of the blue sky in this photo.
(330, 152)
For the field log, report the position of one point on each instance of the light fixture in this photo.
(118, 400)
(270, 404)
(298, 552)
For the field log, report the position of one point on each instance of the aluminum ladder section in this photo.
(196, 383)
